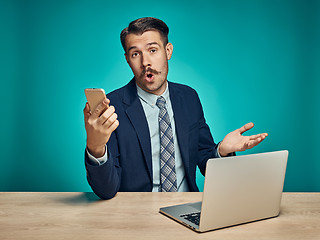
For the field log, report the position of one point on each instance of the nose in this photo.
(145, 60)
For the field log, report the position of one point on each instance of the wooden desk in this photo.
(135, 216)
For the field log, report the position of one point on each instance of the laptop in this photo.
(237, 190)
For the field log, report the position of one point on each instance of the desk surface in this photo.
(136, 216)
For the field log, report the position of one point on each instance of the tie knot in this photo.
(161, 102)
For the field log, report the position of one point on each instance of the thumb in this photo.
(246, 127)
(86, 112)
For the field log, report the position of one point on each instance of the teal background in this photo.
(253, 61)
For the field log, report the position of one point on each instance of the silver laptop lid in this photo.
(242, 189)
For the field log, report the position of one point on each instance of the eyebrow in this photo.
(152, 43)
(148, 44)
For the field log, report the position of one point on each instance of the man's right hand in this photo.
(99, 125)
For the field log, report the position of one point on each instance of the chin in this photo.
(153, 87)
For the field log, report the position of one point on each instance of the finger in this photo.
(114, 125)
(264, 135)
(106, 115)
(246, 127)
(252, 143)
(101, 108)
(110, 120)
(260, 135)
(107, 101)
(86, 112)
(253, 137)
(86, 108)
(255, 142)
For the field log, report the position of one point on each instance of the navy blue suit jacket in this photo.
(129, 165)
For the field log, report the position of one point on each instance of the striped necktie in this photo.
(168, 179)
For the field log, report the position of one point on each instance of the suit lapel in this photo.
(137, 117)
(181, 124)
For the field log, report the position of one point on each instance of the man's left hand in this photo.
(235, 142)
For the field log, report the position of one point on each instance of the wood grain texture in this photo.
(136, 216)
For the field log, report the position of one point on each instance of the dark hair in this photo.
(145, 24)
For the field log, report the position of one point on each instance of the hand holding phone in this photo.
(100, 121)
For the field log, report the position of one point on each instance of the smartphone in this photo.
(94, 96)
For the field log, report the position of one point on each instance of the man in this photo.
(154, 135)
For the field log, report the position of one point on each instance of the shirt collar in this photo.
(150, 98)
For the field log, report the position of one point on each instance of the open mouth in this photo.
(149, 76)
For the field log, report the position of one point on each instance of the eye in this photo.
(135, 54)
(153, 50)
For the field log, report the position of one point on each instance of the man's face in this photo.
(148, 59)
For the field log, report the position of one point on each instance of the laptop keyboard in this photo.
(192, 217)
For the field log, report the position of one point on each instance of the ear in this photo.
(126, 56)
(169, 50)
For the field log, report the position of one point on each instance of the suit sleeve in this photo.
(207, 147)
(105, 179)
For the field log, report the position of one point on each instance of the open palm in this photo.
(235, 141)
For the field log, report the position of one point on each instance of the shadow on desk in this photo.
(80, 199)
